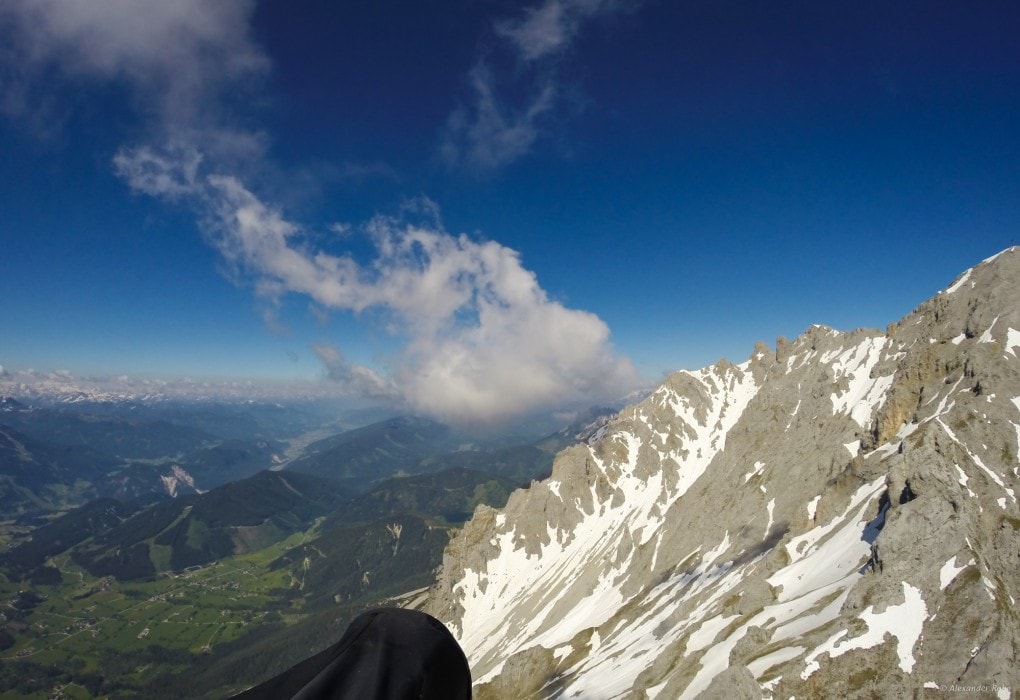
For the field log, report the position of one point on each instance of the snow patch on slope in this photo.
(177, 477)
(949, 571)
(904, 622)
(863, 393)
(576, 581)
(1012, 341)
(977, 460)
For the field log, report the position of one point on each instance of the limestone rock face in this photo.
(835, 518)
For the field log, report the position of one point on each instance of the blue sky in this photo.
(428, 202)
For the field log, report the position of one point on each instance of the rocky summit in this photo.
(835, 517)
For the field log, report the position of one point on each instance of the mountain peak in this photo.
(8, 403)
(845, 501)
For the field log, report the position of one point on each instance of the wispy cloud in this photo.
(550, 27)
(354, 379)
(489, 131)
(488, 134)
(170, 171)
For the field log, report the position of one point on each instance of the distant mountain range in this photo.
(56, 457)
(406, 446)
(397, 467)
(53, 457)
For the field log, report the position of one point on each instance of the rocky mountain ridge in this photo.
(833, 518)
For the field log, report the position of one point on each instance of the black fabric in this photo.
(385, 654)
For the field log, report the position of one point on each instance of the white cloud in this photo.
(483, 340)
(177, 59)
(111, 37)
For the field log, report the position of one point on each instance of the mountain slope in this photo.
(121, 436)
(409, 445)
(389, 540)
(193, 530)
(388, 448)
(836, 518)
(52, 459)
(90, 520)
(37, 476)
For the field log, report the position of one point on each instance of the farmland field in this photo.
(86, 628)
